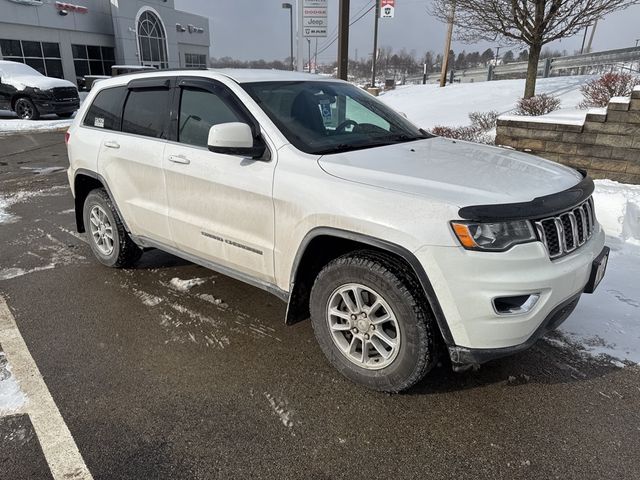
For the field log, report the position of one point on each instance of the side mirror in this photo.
(234, 139)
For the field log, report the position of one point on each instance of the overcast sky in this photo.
(254, 29)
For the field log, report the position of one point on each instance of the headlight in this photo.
(493, 237)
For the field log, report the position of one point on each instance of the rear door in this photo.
(131, 160)
(220, 206)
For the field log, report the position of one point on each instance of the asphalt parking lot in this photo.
(159, 378)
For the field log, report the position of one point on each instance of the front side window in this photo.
(199, 111)
(146, 112)
(106, 110)
(331, 117)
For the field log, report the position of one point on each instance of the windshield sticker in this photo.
(98, 122)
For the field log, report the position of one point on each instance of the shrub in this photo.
(467, 134)
(538, 105)
(599, 91)
(484, 121)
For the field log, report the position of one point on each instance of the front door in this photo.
(220, 206)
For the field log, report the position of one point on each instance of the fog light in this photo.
(516, 305)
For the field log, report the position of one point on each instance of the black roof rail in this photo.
(140, 72)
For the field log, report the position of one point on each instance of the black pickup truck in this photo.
(30, 94)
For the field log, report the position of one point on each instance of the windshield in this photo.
(331, 117)
(18, 69)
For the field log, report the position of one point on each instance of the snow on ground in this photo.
(10, 124)
(608, 322)
(430, 105)
(186, 285)
(11, 397)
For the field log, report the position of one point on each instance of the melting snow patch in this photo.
(11, 397)
(147, 299)
(7, 201)
(9, 273)
(280, 408)
(186, 285)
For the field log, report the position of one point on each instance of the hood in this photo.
(38, 81)
(455, 172)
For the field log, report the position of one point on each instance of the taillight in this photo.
(67, 137)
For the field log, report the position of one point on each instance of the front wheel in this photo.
(108, 239)
(372, 321)
(26, 109)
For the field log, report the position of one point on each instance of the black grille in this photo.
(568, 231)
(64, 93)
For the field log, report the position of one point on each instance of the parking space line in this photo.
(58, 446)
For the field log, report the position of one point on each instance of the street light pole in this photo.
(288, 6)
(309, 45)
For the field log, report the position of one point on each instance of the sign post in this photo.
(314, 23)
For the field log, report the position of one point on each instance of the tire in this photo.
(118, 251)
(26, 109)
(415, 353)
(64, 115)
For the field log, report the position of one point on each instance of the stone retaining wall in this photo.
(606, 143)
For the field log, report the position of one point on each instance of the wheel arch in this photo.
(323, 244)
(83, 183)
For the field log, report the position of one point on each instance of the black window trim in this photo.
(218, 88)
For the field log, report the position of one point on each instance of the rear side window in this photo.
(146, 112)
(199, 111)
(106, 110)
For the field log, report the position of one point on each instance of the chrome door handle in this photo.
(111, 144)
(179, 159)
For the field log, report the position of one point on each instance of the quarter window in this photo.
(145, 112)
(199, 111)
(106, 110)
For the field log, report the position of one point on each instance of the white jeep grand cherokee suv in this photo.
(399, 245)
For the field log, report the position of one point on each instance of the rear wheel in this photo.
(372, 321)
(109, 241)
(26, 109)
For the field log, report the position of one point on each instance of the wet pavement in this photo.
(158, 379)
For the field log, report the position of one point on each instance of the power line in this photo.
(351, 24)
(335, 30)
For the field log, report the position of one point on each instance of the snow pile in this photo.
(608, 322)
(185, 285)
(11, 397)
(430, 105)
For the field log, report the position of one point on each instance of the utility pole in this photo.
(447, 46)
(375, 44)
(593, 32)
(343, 39)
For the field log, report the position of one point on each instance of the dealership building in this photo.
(86, 37)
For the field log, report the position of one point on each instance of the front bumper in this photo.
(466, 282)
(47, 105)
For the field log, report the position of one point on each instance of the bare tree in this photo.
(534, 23)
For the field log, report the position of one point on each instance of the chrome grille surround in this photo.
(568, 231)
